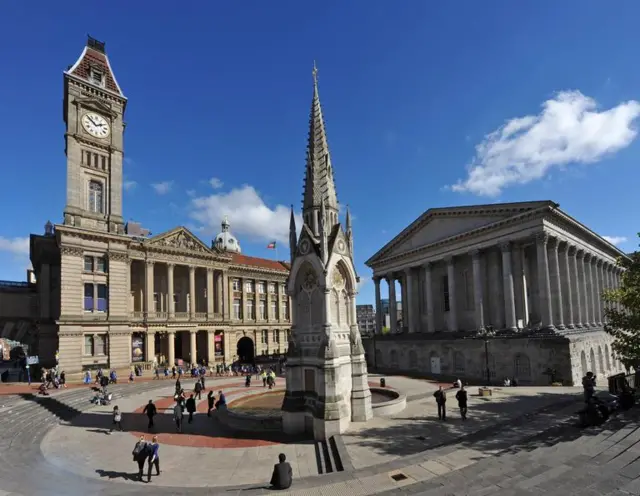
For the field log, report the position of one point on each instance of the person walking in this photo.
(151, 410)
(461, 396)
(589, 385)
(117, 419)
(222, 401)
(191, 408)
(154, 457)
(140, 455)
(202, 378)
(210, 400)
(177, 416)
(441, 400)
(198, 390)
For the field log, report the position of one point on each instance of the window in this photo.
(103, 159)
(262, 306)
(96, 77)
(285, 311)
(251, 311)
(88, 344)
(261, 288)
(88, 297)
(265, 337)
(236, 285)
(100, 344)
(274, 310)
(103, 298)
(283, 289)
(468, 302)
(276, 337)
(95, 197)
(88, 264)
(237, 314)
(445, 292)
(101, 265)
(272, 288)
(248, 287)
(156, 299)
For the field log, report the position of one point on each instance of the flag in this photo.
(271, 246)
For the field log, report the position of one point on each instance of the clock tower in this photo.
(93, 110)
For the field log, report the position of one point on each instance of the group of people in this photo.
(52, 378)
(143, 452)
(441, 401)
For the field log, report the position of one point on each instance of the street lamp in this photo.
(486, 334)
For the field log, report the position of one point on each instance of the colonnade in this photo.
(562, 280)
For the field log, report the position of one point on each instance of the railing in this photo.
(200, 315)
(197, 317)
(159, 315)
(137, 315)
(182, 315)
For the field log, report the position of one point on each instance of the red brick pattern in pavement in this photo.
(204, 440)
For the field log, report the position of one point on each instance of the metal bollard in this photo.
(383, 382)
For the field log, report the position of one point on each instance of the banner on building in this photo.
(137, 348)
(218, 342)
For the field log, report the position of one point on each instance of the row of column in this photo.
(171, 338)
(149, 290)
(570, 281)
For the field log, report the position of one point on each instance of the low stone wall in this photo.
(397, 402)
(248, 422)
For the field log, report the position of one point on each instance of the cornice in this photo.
(85, 234)
(516, 219)
(252, 269)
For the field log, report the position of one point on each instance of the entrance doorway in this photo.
(245, 350)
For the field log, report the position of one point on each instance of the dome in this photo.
(225, 241)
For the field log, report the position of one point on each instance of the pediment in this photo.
(441, 223)
(338, 242)
(95, 104)
(307, 242)
(180, 238)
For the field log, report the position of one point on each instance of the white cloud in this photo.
(129, 185)
(162, 188)
(615, 240)
(363, 282)
(16, 246)
(216, 183)
(191, 193)
(248, 215)
(569, 129)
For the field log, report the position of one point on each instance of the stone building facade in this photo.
(108, 296)
(527, 271)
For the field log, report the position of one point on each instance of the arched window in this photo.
(592, 361)
(583, 362)
(600, 361)
(458, 362)
(522, 366)
(607, 357)
(96, 203)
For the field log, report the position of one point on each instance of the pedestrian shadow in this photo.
(113, 474)
(99, 431)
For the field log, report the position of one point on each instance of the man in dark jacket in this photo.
(151, 410)
(441, 400)
(282, 476)
(191, 407)
(198, 390)
(461, 396)
(177, 416)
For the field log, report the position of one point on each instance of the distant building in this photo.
(386, 314)
(366, 317)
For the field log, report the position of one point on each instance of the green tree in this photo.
(623, 312)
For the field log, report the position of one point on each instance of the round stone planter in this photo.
(386, 402)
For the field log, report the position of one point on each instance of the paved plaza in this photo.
(521, 441)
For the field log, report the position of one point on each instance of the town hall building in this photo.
(110, 295)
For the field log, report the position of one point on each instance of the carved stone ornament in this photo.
(182, 241)
(71, 251)
(118, 256)
(337, 280)
(310, 281)
(304, 246)
(356, 341)
(341, 246)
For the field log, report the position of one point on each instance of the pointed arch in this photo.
(583, 362)
(592, 361)
(297, 267)
(607, 357)
(600, 361)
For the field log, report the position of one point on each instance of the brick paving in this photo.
(543, 453)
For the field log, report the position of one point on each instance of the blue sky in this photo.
(222, 90)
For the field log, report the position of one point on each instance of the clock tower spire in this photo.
(93, 110)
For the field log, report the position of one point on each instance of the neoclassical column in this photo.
(393, 309)
(555, 283)
(227, 295)
(544, 284)
(578, 286)
(148, 288)
(599, 286)
(211, 346)
(408, 313)
(192, 291)
(583, 257)
(569, 285)
(378, 329)
(210, 297)
(428, 291)
(219, 293)
(171, 341)
(507, 287)
(591, 289)
(519, 286)
(453, 308)
(171, 303)
(478, 296)
(150, 345)
(192, 346)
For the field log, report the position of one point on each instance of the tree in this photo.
(623, 312)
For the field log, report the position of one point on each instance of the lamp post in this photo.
(485, 334)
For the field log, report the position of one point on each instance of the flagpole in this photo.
(277, 251)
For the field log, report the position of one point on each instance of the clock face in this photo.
(96, 125)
